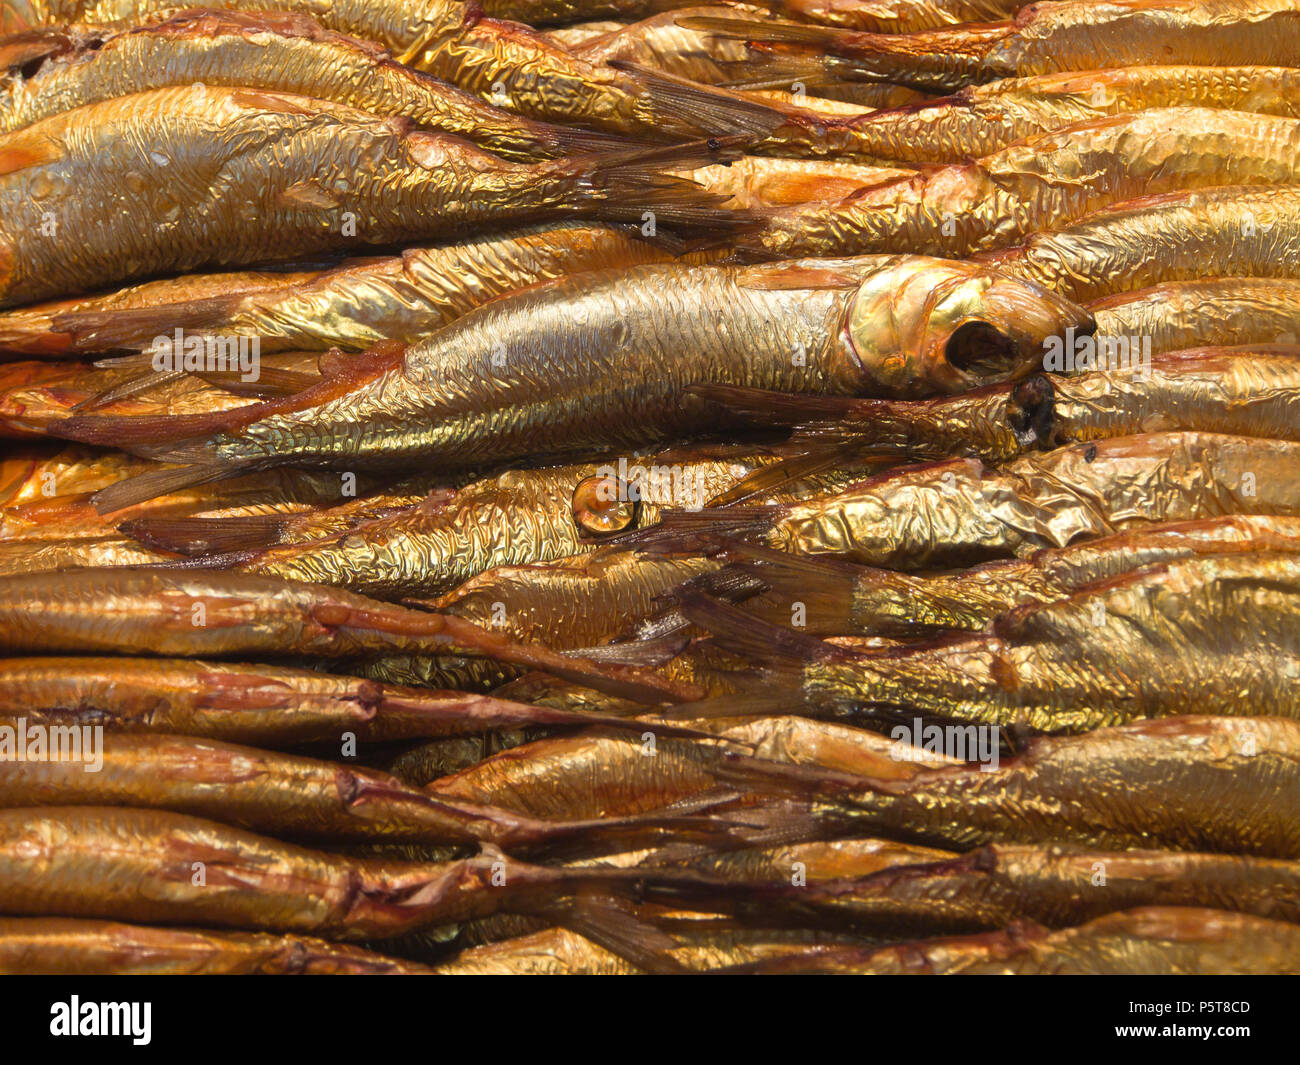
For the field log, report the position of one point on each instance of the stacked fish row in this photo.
(606, 486)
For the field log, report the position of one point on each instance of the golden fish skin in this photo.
(1044, 38)
(184, 613)
(569, 603)
(896, 16)
(262, 705)
(845, 598)
(1182, 236)
(1225, 785)
(983, 119)
(166, 868)
(516, 517)
(200, 195)
(958, 512)
(559, 952)
(67, 946)
(1221, 311)
(352, 305)
(601, 774)
(755, 181)
(1045, 183)
(892, 325)
(18, 557)
(1238, 391)
(282, 53)
(1155, 940)
(658, 42)
(995, 886)
(1211, 632)
(281, 794)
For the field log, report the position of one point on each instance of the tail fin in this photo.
(713, 111)
(692, 531)
(629, 184)
(744, 634)
(145, 486)
(133, 328)
(612, 925)
(339, 375)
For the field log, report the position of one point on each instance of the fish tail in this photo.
(638, 187)
(825, 586)
(145, 486)
(340, 374)
(925, 60)
(135, 328)
(713, 111)
(610, 923)
(700, 530)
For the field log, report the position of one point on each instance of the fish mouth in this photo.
(982, 351)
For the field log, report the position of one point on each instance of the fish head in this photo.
(919, 326)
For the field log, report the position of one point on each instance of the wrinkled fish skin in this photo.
(1212, 633)
(328, 161)
(352, 305)
(602, 774)
(1218, 311)
(144, 865)
(857, 599)
(1214, 784)
(1165, 941)
(1046, 182)
(958, 512)
(1067, 35)
(513, 518)
(67, 946)
(170, 612)
(1244, 391)
(281, 794)
(283, 53)
(1182, 236)
(835, 326)
(896, 16)
(1054, 886)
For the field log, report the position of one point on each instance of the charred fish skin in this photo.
(830, 326)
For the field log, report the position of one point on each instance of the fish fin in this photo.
(775, 32)
(200, 536)
(776, 408)
(573, 140)
(744, 634)
(610, 924)
(135, 327)
(338, 377)
(627, 185)
(781, 475)
(666, 620)
(132, 386)
(271, 382)
(695, 530)
(24, 148)
(145, 486)
(645, 653)
(713, 111)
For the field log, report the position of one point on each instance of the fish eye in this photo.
(603, 505)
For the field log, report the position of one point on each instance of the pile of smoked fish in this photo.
(615, 486)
